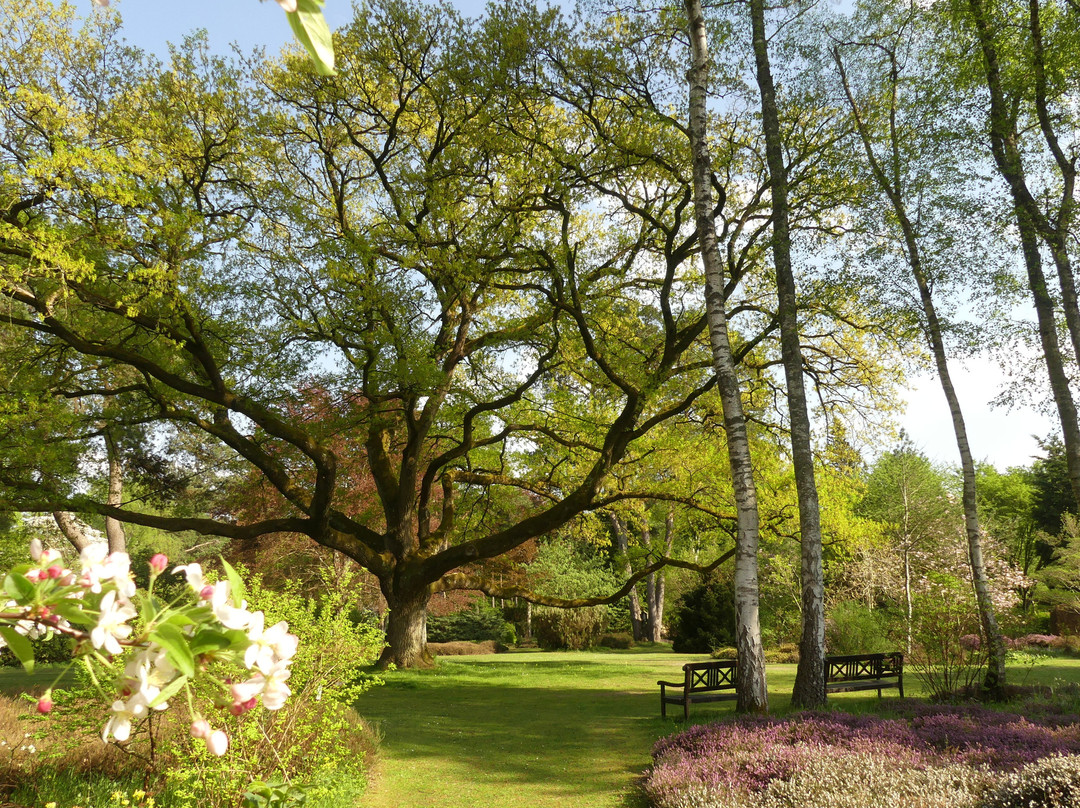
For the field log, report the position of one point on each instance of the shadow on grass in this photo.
(519, 731)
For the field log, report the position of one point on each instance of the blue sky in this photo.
(1003, 438)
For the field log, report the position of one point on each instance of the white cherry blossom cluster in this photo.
(171, 648)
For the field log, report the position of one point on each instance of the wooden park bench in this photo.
(702, 681)
(864, 672)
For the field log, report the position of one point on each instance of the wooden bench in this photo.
(864, 672)
(702, 681)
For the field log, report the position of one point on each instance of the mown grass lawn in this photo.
(558, 730)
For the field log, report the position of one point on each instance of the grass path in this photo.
(526, 730)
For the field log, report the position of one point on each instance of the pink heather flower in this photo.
(217, 743)
(158, 563)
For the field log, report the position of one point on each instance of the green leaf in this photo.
(19, 588)
(176, 648)
(311, 30)
(170, 690)
(209, 640)
(71, 611)
(20, 646)
(236, 585)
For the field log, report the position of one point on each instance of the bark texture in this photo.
(752, 692)
(1033, 223)
(810, 678)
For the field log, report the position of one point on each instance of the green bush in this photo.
(472, 625)
(617, 639)
(569, 629)
(851, 628)
(704, 617)
(316, 741)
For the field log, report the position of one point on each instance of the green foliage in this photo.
(472, 625)
(704, 618)
(945, 662)
(568, 629)
(315, 743)
(851, 628)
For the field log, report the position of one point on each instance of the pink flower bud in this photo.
(200, 728)
(206, 592)
(45, 704)
(34, 575)
(55, 571)
(158, 563)
(217, 743)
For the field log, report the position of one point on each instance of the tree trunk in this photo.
(71, 530)
(406, 631)
(1004, 144)
(622, 540)
(657, 585)
(114, 529)
(994, 683)
(752, 693)
(907, 595)
(810, 677)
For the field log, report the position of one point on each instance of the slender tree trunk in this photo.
(114, 529)
(907, 594)
(71, 530)
(752, 693)
(657, 585)
(1004, 144)
(810, 677)
(623, 542)
(891, 186)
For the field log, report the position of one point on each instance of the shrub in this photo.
(617, 639)
(472, 625)
(786, 653)
(316, 740)
(1050, 783)
(464, 648)
(704, 617)
(943, 659)
(927, 756)
(851, 628)
(725, 652)
(569, 629)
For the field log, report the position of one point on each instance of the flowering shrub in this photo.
(175, 645)
(927, 756)
(316, 743)
(1050, 783)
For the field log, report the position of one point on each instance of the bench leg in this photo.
(686, 709)
(663, 703)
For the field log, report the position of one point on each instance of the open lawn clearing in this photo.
(554, 730)
(525, 729)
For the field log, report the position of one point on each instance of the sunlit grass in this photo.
(558, 730)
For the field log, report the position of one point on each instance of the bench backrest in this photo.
(853, 667)
(715, 675)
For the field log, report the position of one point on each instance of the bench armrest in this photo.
(672, 684)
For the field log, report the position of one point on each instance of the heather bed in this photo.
(916, 756)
